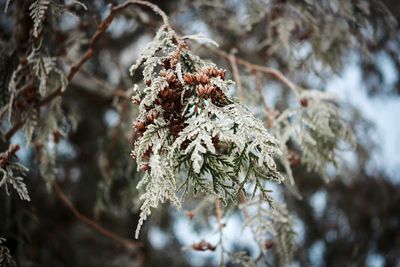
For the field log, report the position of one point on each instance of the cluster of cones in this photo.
(172, 99)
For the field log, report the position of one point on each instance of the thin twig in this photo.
(115, 92)
(260, 89)
(13, 130)
(247, 216)
(128, 244)
(253, 67)
(269, 113)
(242, 201)
(8, 154)
(218, 213)
(236, 76)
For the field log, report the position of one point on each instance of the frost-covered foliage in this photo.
(38, 11)
(10, 171)
(271, 227)
(190, 127)
(6, 259)
(282, 27)
(44, 68)
(317, 128)
(47, 76)
(192, 137)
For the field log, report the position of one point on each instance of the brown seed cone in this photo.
(200, 90)
(170, 76)
(166, 64)
(215, 72)
(222, 74)
(166, 93)
(294, 158)
(198, 77)
(188, 78)
(146, 157)
(204, 79)
(204, 91)
(269, 244)
(304, 102)
(140, 126)
(207, 71)
(215, 141)
(145, 167)
(203, 246)
(185, 144)
(152, 115)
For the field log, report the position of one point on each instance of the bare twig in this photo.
(260, 89)
(126, 243)
(7, 155)
(269, 113)
(253, 67)
(236, 75)
(13, 130)
(247, 216)
(218, 213)
(242, 201)
(115, 92)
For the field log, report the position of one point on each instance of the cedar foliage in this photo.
(201, 133)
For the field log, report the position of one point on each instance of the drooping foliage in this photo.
(203, 131)
(190, 126)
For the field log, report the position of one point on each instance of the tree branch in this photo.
(8, 154)
(269, 113)
(253, 67)
(103, 26)
(236, 75)
(126, 243)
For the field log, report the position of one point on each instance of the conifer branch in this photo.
(101, 29)
(10, 169)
